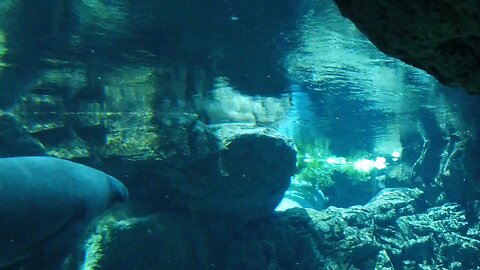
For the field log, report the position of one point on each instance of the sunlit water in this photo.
(354, 96)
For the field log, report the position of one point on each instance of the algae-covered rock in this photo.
(361, 237)
(439, 230)
(229, 170)
(192, 205)
(285, 241)
(392, 203)
(42, 112)
(143, 125)
(15, 139)
(161, 241)
(383, 261)
(256, 164)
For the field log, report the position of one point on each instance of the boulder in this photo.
(235, 171)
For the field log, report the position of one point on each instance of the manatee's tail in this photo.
(118, 190)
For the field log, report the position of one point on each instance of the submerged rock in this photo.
(441, 38)
(15, 139)
(393, 231)
(161, 241)
(228, 170)
(256, 165)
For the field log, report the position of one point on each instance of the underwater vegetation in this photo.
(317, 168)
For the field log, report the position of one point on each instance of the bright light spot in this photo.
(364, 165)
(286, 203)
(396, 154)
(308, 160)
(395, 159)
(380, 163)
(336, 160)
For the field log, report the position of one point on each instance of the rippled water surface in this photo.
(343, 90)
(357, 97)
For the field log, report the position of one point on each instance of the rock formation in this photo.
(393, 231)
(442, 38)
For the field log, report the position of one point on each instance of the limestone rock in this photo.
(141, 124)
(162, 241)
(359, 237)
(440, 230)
(441, 38)
(257, 164)
(393, 231)
(227, 174)
(473, 214)
(42, 112)
(286, 241)
(392, 203)
(383, 261)
(245, 172)
(15, 139)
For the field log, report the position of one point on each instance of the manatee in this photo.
(46, 206)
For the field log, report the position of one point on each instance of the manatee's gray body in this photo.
(46, 205)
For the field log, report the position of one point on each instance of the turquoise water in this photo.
(198, 108)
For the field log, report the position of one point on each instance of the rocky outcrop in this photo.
(15, 139)
(441, 38)
(213, 179)
(393, 231)
(166, 241)
(220, 170)
(185, 207)
(244, 178)
(146, 127)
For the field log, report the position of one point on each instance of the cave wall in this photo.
(441, 38)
